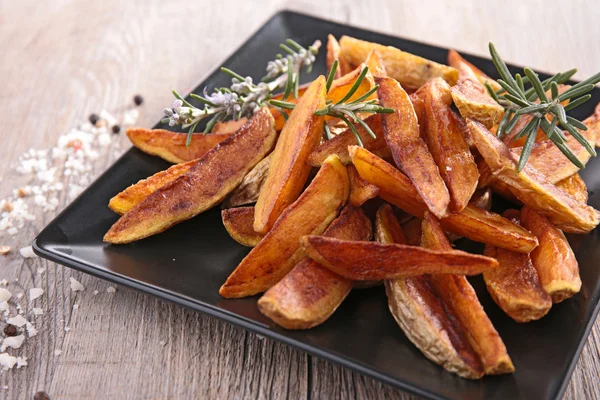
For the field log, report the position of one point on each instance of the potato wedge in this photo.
(466, 70)
(575, 186)
(375, 63)
(476, 224)
(473, 101)
(239, 223)
(372, 261)
(230, 126)
(136, 193)
(457, 292)
(410, 152)
(171, 145)
(333, 54)
(422, 315)
(553, 259)
(249, 189)
(204, 185)
(412, 231)
(309, 293)
(280, 251)
(339, 144)
(531, 187)
(289, 168)
(448, 146)
(360, 190)
(410, 70)
(515, 285)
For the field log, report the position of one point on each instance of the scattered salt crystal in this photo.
(448, 168)
(17, 321)
(41, 270)
(95, 292)
(4, 282)
(110, 120)
(162, 342)
(4, 306)
(75, 306)
(7, 361)
(57, 352)
(67, 329)
(34, 293)
(110, 289)
(5, 295)
(37, 311)
(104, 139)
(131, 117)
(12, 231)
(27, 252)
(31, 331)
(19, 295)
(75, 285)
(21, 362)
(14, 342)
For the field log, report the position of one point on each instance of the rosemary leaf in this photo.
(356, 85)
(577, 102)
(536, 83)
(331, 76)
(526, 152)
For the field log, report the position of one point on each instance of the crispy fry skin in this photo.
(412, 231)
(249, 189)
(205, 184)
(289, 168)
(371, 261)
(171, 145)
(309, 293)
(423, 316)
(333, 53)
(531, 187)
(230, 126)
(410, 152)
(468, 70)
(575, 186)
(280, 251)
(375, 63)
(476, 224)
(339, 144)
(410, 70)
(136, 193)
(457, 292)
(473, 101)
(556, 265)
(239, 224)
(360, 190)
(515, 285)
(448, 146)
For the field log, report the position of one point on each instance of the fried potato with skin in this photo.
(531, 187)
(239, 223)
(473, 101)
(472, 222)
(410, 152)
(375, 63)
(482, 198)
(575, 186)
(360, 190)
(412, 231)
(372, 261)
(515, 285)
(136, 193)
(457, 292)
(333, 54)
(289, 169)
(554, 260)
(230, 126)
(171, 145)
(280, 251)
(410, 70)
(309, 294)
(338, 145)
(423, 317)
(468, 70)
(448, 146)
(203, 186)
(249, 189)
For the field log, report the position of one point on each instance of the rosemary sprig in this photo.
(344, 110)
(519, 101)
(244, 97)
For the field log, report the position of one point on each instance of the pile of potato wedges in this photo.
(324, 217)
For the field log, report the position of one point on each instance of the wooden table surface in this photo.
(65, 59)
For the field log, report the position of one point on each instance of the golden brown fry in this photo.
(515, 285)
(375, 63)
(289, 168)
(448, 146)
(239, 223)
(482, 198)
(339, 144)
(466, 70)
(135, 194)
(371, 261)
(333, 54)
(249, 189)
(457, 292)
(410, 152)
(387, 227)
(412, 231)
(473, 101)
(410, 70)
(360, 190)
(230, 126)
(171, 146)
(575, 186)
(476, 224)
(310, 293)
(556, 265)
(280, 251)
(204, 185)
(531, 187)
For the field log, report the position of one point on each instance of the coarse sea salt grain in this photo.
(76, 286)
(37, 311)
(27, 252)
(57, 352)
(7, 361)
(35, 293)
(21, 362)
(110, 289)
(13, 342)
(17, 321)
(4, 306)
(5, 294)
(31, 331)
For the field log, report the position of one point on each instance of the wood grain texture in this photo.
(64, 59)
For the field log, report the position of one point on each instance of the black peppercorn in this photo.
(10, 330)
(41, 396)
(93, 118)
(116, 129)
(138, 100)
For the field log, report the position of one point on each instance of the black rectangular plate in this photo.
(188, 263)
